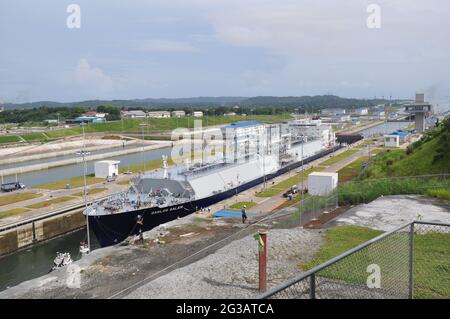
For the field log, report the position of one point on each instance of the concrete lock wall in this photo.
(24, 236)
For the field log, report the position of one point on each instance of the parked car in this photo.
(293, 190)
(9, 187)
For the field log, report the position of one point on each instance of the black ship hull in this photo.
(114, 228)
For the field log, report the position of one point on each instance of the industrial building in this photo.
(392, 141)
(158, 114)
(106, 169)
(133, 114)
(421, 110)
(178, 113)
(333, 111)
(322, 183)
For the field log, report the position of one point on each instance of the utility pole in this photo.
(83, 152)
(143, 125)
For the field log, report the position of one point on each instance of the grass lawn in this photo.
(9, 139)
(74, 182)
(352, 170)
(17, 197)
(366, 142)
(34, 137)
(91, 191)
(283, 185)
(50, 202)
(140, 167)
(442, 193)
(239, 205)
(12, 212)
(160, 125)
(431, 262)
(339, 157)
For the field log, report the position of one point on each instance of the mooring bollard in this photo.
(261, 237)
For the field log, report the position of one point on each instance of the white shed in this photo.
(106, 169)
(392, 141)
(322, 183)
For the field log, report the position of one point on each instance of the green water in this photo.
(38, 259)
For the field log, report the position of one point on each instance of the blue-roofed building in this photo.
(398, 137)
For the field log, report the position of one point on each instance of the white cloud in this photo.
(166, 46)
(92, 78)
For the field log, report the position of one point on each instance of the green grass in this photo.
(240, 205)
(431, 262)
(441, 193)
(147, 166)
(13, 212)
(337, 158)
(283, 185)
(432, 265)
(17, 197)
(91, 191)
(338, 240)
(160, 125)
(357, 192)
(74, 182)
(9, 139)
(34, 137)
(50, 202)
(352, 170)
(295, 200)
(429, 155)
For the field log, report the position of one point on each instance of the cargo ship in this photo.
(251, 154)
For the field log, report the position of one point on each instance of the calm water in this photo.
(385, 128)
(38, 260)
(57, 173)
(60, 158)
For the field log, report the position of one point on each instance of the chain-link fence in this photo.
(411, 261)
(360, 192)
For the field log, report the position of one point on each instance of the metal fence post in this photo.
(411, 261)
(312, 286)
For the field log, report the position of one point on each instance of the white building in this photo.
(178, 114)
(133, 114)
(312, 129)
(333, 111)
(361, 111)
(106, 169)
(392, 141)
(341, 118)
(197, 114)
(158, 114)
(322, 183)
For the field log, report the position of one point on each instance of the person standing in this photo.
(244, 214)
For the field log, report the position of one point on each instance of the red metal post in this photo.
(263, 262)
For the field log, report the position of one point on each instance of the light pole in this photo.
(143, 125)
(303, 178)
(83, 153)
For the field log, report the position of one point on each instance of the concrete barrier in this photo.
(43, 166)
(26, 235)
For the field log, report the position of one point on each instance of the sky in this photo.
(184, 48)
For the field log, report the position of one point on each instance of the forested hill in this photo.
(289, 102)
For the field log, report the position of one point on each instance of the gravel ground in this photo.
(388, 212)
(232, 271)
